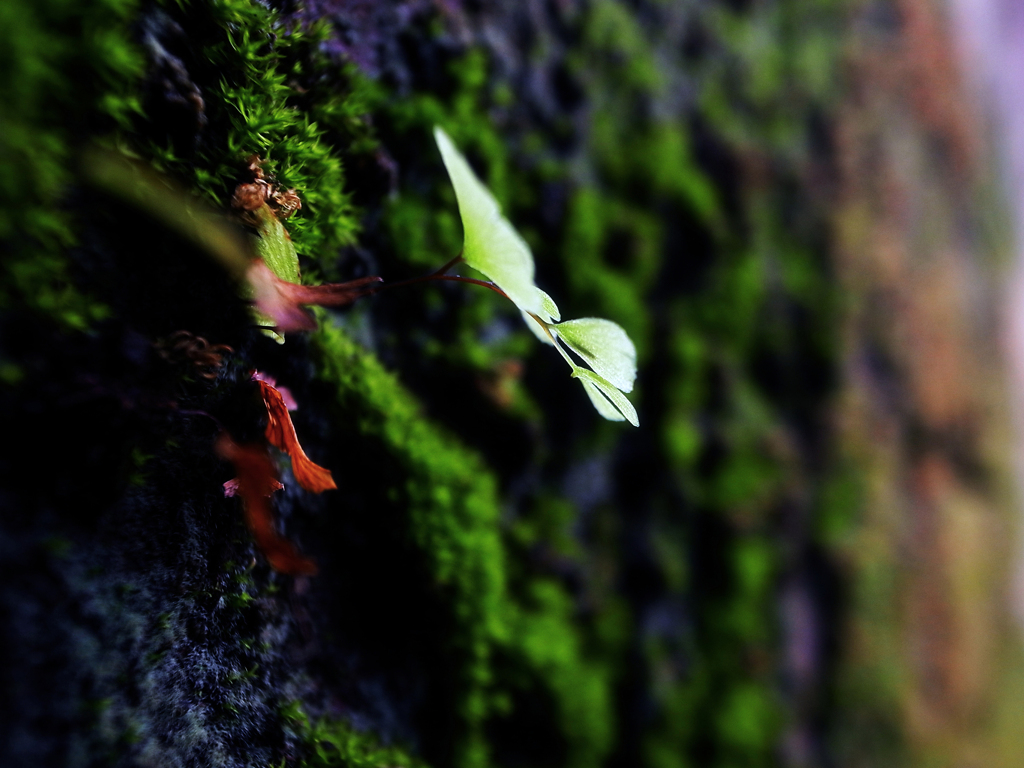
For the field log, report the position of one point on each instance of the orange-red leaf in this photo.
(281, 434)
(257, 480)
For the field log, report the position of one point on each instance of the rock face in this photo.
(503, 578)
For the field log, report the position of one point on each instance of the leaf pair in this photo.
(493, 247)
(606, 348)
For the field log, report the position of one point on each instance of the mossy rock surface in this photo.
(504, 579)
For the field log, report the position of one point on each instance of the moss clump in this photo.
(451, 511)
(251, 83)
(687, 261)
(267, 91)
(450, 507)
(727, 298)
(336, 744)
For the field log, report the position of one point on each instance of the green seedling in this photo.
(493, 247)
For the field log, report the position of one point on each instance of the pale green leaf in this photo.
(604, 387)
(601, 403)
(493, 247)
(604, 346)
(491, 244)
(261, 321)
(549, 306)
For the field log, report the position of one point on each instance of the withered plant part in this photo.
(280, 433)
(281, 301)
(254, 164)
(256, 479)
(274, 278)
(250, 196)
(181, 348)
(231, 487)
(255, 482)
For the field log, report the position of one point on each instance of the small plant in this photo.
(267, 268)
(492, 246)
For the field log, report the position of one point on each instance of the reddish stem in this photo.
(458, 279)
(440, 275)
(450, 264)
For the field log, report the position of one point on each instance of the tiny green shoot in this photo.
(492, 246)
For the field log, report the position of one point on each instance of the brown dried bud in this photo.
(249, 197)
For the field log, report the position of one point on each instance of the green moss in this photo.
(612, 252)
(275, 95)
(550, 645)
(841, 498)
(612, 248)
(72, 75)
(746, 722)
(726, 433)
(336, 744)
(453, 519)
(613, 33)
(452, 509)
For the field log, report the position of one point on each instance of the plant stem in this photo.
(473, 281)
(440, 275)
(450, 264)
